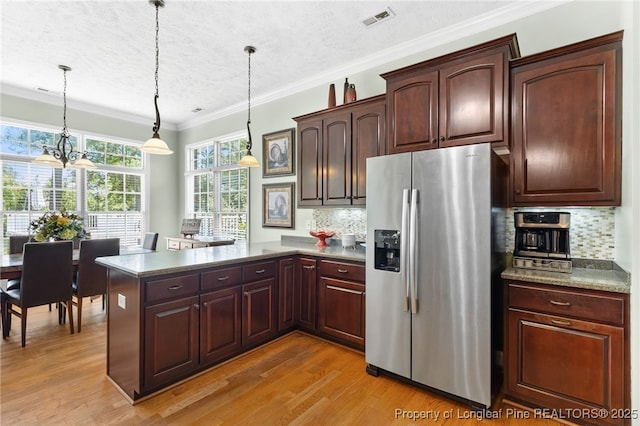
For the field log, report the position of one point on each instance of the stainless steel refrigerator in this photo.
(431, 251)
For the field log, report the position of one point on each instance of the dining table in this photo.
(11, 264)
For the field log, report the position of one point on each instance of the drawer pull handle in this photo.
(175, 287)
(343, 271)
(226, 277)
(555, 302)
(260, 271)
(309, 267)
(559, 322)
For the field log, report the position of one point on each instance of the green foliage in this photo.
(59, 226)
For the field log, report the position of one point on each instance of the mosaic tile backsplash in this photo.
(592, 228)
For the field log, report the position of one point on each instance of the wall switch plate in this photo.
(313, 225)
(307, 225)
(122, 301)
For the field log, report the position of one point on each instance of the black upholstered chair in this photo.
(16, 242)
(47, 272)
(150, 241)
(91, 279)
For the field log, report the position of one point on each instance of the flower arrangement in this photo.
(58, 226)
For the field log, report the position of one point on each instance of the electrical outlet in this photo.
(313, 225)
(122, 301)
(308, 225)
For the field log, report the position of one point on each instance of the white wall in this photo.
(163, 216)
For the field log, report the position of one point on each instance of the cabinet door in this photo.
(412, 119)
(368, 140)
(473, 100)
(306, 275)
(220, 329)
(310, 162)
(170, 341)
(566, 130)
(258, 312)
(342, 310)
(336, 130)
(562, 363)
(286, 294)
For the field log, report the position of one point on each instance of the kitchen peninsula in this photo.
(172, 314)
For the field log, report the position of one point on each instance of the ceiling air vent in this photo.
(198, 109)
(379, 17)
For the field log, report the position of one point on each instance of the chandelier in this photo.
(155, 145)
(249, 160)
(64, 153)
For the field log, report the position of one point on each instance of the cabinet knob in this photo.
(518, 191)
(434, 140)
(196, 306)
(441, 138)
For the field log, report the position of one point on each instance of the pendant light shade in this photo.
(248, 160)
(156, 145)
(64, 154)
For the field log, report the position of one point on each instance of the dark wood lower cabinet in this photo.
(286, 294)
(306, 290)
(220, 325)
(342, 310)
(258, 312)
(565, 353)
(171, 341)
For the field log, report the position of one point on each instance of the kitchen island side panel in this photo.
(123, 332)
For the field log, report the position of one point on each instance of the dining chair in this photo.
(16, 243)
(47, 272)
(91, 278)
(150, 241)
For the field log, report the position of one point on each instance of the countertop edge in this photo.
(578, 279)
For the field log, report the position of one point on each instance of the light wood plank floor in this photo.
(59, 379)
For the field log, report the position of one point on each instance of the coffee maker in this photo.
(542, 241)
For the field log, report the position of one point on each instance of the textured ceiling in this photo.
(110, 47)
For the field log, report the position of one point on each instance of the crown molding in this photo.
(55, 99)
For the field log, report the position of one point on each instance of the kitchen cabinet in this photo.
(171, 329)
(566, 124)
(457, 99)
(305, 295)
(333, 146)
(567, 349)
(259, 320)
(220, 314)
(286, 294)
(341, 302)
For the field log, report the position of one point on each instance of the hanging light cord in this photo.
(250, 144)
(156, 126)
(65, 132)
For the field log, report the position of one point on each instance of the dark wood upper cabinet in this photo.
(566, 124)
(334, 145)
(458, 99)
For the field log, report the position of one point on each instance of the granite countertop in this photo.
(605, 278)
(166, 262)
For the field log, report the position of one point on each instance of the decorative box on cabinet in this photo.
(458, 99)
(339, 140)
(342, 302)
(567, 349)
(567, 139)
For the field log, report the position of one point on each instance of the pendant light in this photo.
(249, 160)
(155, 145)
(64, 153)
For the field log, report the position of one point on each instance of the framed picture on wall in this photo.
(278, 153)
(277, 202)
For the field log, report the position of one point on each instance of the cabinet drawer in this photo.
(171, 288)
(601, 308)
(345, 271)
(258, 271)
(221, 278)
(173, 245)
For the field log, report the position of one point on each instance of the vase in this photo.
(332, 95)
(351, 94)
(344, 93)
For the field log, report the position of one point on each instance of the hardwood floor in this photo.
(60, 378)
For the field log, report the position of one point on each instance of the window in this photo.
(109, 197)
(217, 188)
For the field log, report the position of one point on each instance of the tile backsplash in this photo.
(592, 228)
(342, 221)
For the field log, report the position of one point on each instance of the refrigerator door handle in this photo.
(413, 260)
(404, 247)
